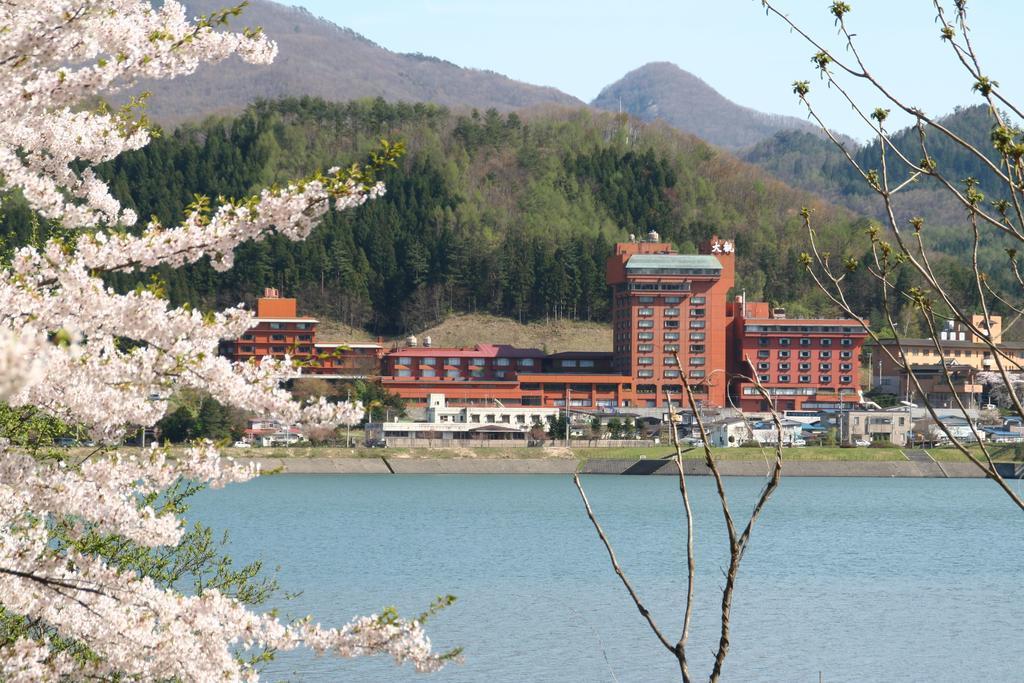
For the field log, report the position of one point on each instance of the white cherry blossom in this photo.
(77, 350)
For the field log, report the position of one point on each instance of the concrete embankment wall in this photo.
(733, 468)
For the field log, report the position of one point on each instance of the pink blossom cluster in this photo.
(108, 361)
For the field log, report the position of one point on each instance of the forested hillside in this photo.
(817, 165)
(506, 214)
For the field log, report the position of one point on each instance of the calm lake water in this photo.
(858, 579)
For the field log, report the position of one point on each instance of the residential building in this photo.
(895, 426)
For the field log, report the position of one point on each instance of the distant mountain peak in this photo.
(321, 59)
(664, 91)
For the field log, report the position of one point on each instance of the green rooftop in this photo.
(673, 264)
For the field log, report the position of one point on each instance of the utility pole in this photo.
(348, 425)
(568, 417)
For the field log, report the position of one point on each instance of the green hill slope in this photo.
(512, 215)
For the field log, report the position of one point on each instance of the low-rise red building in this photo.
(280, 331)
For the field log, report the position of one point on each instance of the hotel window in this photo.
(696, 336)
(846, 367)
(805, 366)
(645, 311)
(805, 379)
(453, 361)
(825, 379)
(429, 361)
(645, 348)
(783, 366)
(671, 336)
(671, 324)
(671, 374)
(645, 373)
(763, 341)
(764, 353)
(696, 324)
(805, 342)
(646, 299)
(672, 312)
(846, 354)
(246, 349)
(567, 363)
(277, 337)
(302, 326)
(846, 342)
(696, 374)
(826, 342)
(825, 367)
(586, 363)
(305, 337)
(671, 348)
(645, 336)
(475, 361)
(426, 372)
(764, 378)
(784, 341)
(763, 366)
(697, 360)
(696, 348)
(669, 360)
(404, 373)
(526, 362)
(697, 301)
(277, 349)
(275, 326)
(404, 360)
(303, 349)
(824, 354)
(805, 354)
(247, 337)
(645, 324)
(845, 379)
(480, 373)
(783, 378)
(697, 312)
(783, 354)
(502, 362)
(645, 360)
(453, 373)
(672, 299)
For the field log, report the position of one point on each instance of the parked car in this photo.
(862, 443)
(241, 444)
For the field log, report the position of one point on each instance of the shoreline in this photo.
(732, 468)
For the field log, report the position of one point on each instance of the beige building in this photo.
(877, 425)
(958, 348)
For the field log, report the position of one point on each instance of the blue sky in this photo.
(579, 47)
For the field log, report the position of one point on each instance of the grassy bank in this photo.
(623, 453)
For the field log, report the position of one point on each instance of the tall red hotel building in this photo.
(663, 304)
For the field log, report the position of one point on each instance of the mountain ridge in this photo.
(318, 58)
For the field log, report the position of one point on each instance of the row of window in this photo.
(804, 341)
(668, 374)
(278, 337)
(275, 349)
(804, 379)
(783, 353)
(499, 362)
(450, 374)
(671, 312)
(291, 326)
(823, 367)
(694, 300)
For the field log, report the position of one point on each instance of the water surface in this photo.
(852, 579)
